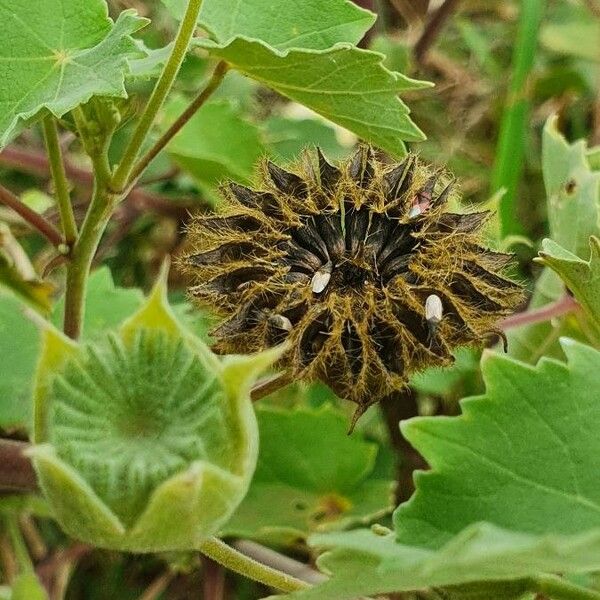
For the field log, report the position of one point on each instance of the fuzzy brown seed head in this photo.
(359, 266)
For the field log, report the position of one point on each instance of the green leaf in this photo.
(58, 54)
(512, 490)
(577, 37)
(344, 84)
(287, 138)
(572, 189)
(215, 144)
(316, 24)
(580, 276)
(19, 346)
(363, 563)
(437, 381)
(512, 458)
(573, 206)
(311, 476)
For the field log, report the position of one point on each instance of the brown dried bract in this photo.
(359, 266)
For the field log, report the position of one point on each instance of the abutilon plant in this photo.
(360, 266)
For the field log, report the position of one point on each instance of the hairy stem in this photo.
(61, 185)
(163, 85)
(278, 561)
(186, 115)
(235, 561)
(36, 221)
(100, 210)
(96, 219)
(559, 589)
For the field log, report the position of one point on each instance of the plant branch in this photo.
(186, 115)
(563, 306)
(120, 180)
(244, 565)
(433, 28)
(99, 213)
(34, 219)
(37, 164)
(213, 579)
(61, 185)
(158, 586)
(269, 385)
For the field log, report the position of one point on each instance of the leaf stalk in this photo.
(213, 83)
(59, 176)
(123, 171)
(235, 561)
(34, 219)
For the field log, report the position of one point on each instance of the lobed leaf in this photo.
(573, 205)
(199, 147)
(57, 54)
(344, 84)
(580, 276)
(311, 476)
(512, 492)
(316, 24)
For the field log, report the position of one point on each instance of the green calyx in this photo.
(145, 440)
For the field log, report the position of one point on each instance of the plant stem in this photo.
(269, 385)
(186, 115)
(278, 561)
(512, 138)
(235, 561)
(163, 85)
(560, 307)
(158, 586)
(61, 185)
(433, 29)
(36, 221)
(100, 210)
(37, 164)
(559, 589)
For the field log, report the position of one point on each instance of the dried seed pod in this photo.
(353, 267)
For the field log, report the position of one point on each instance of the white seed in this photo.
(321, 278)
(281, 322)
(433, 309)
(414, 211)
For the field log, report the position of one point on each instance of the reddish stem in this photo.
(213, 579)
(433, 28)
(561, 307)
(37, 164)
(34, 219)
